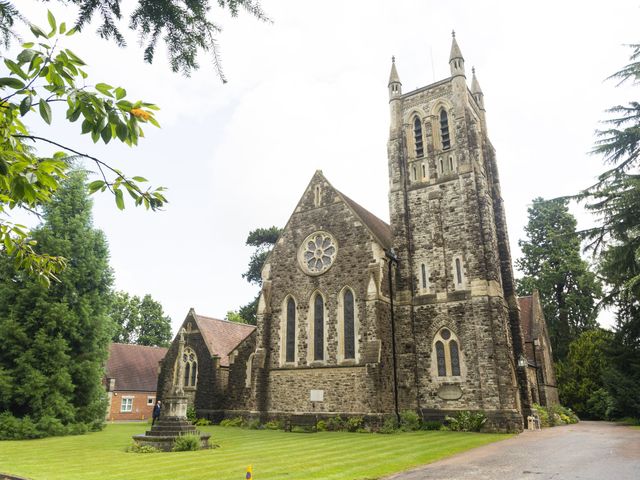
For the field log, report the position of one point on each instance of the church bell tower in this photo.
(459, 336)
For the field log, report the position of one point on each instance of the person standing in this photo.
(156, 412)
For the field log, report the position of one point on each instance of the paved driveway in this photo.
(585, 451)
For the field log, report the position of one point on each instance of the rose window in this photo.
(317, 253)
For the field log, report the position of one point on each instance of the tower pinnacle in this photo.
(476, 91)
(395, 86)
(456, 60)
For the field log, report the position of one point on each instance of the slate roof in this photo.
(380, 229)
(526, 317)
(135, 367)
(222, 336)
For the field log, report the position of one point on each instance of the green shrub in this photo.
(232, 422)
(335, 424)
(432, 425)
(191, 414)
(203, 422)
(252, 424)
(186, 443)
(390, 425)
(354, 424)
(321, 426)
(274, 425)
(600, 405)
(466, 421)
(137, 448)
(554, 415)
(409, 421)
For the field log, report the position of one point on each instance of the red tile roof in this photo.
(135, 367)
(222, 336)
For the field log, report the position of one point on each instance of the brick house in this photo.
(541, 375)
(131, 380)
(358, 316)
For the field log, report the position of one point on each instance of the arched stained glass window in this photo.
(349, 325)
(444, 130)
(442, 365)
(417, 136)
(190, 362)
(291, 331)
(318, 328)
(455, 358)
(447, 353)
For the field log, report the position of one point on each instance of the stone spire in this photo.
(456, 60)
(476, 91)
(395, 86)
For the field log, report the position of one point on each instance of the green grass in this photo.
(273, 454)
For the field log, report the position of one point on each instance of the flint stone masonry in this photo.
(443, 264)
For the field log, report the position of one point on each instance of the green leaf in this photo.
(37, 32)
(77, 60)
(11, 82)
(63, 28)
(87, 126)
(52, 20)
(140, 179)
(95, 186)
(25, 105)
(106, 134)
(122, 132)
(104, 89)
(26, 55)
(120, 93)
(28, 45)
(45, 111)
(15, 68)
(74, 114)
(72, 31)
(119, 199)
(4, 167)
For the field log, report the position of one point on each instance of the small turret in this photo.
(476, 90)
(395, 86)
(456, 61)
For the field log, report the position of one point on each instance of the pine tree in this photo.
(55, 340)
(551, 263)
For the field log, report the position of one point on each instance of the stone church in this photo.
(360, 317)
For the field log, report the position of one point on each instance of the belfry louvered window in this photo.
(318, 328)
(417, 136)
(444, 130)
(291, 331)
(349, 325)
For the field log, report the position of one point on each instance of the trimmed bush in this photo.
(432, 425)
(409, 421)
(466, 421)
(232, 422)
(186, 443)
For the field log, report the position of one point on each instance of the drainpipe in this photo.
(390, 254)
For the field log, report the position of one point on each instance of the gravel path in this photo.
(585, 451)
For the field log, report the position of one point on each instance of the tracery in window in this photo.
(417, 136)
(447, 353)
(190, 361)
(444, 130)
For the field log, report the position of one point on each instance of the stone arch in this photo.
(289, 323)
(348, 325)
(317, 328)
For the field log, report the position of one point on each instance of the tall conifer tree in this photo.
(55, 340)
(551, 263)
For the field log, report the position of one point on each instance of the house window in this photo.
(417, 136)
(318, 328)
(291, 331)
(150, 400)
(349, 325)
(189, 359)
(126, 405)
(447, 353)
(444, 130)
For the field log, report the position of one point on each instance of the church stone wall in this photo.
(349, 385)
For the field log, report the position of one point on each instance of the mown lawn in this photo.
(273, 454)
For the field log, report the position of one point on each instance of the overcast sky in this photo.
(309, 91)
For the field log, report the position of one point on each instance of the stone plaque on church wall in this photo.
(450, 392)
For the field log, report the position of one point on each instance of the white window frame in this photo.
(123, 405)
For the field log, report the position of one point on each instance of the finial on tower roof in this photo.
(473, 70)
(453, 33)
(393, 59)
